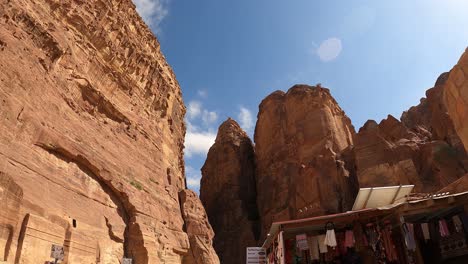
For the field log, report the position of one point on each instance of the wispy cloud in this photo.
(209, 117)
(193, 177)
(153, 12)
(200, 135)
(330, 49)
(245, 119)
(194, 109)
(202, 93)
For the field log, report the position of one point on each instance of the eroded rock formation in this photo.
(228, 193)
(456, 97)
(298, 138)
(423, 149)
(309, 160)
(91, 135)
(198, 229)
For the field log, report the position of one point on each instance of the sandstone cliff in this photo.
(423, 149)
(456, 97)
(298, 139)
(92, 138)
(228, 193)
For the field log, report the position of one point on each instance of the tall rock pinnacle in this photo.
(228, 192)
(298, 138)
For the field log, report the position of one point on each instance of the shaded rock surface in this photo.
(92, 137)
(228, 193)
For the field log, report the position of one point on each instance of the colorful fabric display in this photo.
(443, 229)
(425, 231)
(313, 243)
(349, 239)
(330, 238)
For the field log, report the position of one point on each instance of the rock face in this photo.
(228, 193)
(299, 136)
(456, 97)
(198, 229)
(423, 149)
(92, 137)
(389, 154)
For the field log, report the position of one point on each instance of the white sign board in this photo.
(301, 242)
(56, 252)
(127, 261)
(256, 255)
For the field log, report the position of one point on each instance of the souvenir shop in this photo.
(432, 229)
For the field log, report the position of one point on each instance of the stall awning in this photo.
(376, 197)
(316, 222)
(429, 203)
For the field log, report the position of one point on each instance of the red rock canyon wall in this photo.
(91, 143)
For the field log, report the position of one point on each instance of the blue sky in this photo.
(377, 57)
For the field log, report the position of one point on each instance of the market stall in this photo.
(429, 229)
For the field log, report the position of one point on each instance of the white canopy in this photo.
(375, 197)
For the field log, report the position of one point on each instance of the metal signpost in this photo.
(57, 253)
(256, 255)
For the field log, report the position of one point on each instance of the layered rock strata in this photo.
(228, 192)
(92, 136)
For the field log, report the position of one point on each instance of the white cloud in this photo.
(329, 50)
(202, 93)
(152, 11)
(198, 142)
(209, 117)
(245, 118)
(193, 178)
(194, 109)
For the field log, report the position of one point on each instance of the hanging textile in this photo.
(372, 236)
(280, 252)
(349, 239)
(425, 231)
(443, 229)
(340, 240)
(359, 237)
(313, 247)
(464, 219)
(330, 238)
(389, 246)
(458, 223)
(408, 233)
(322, 246)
